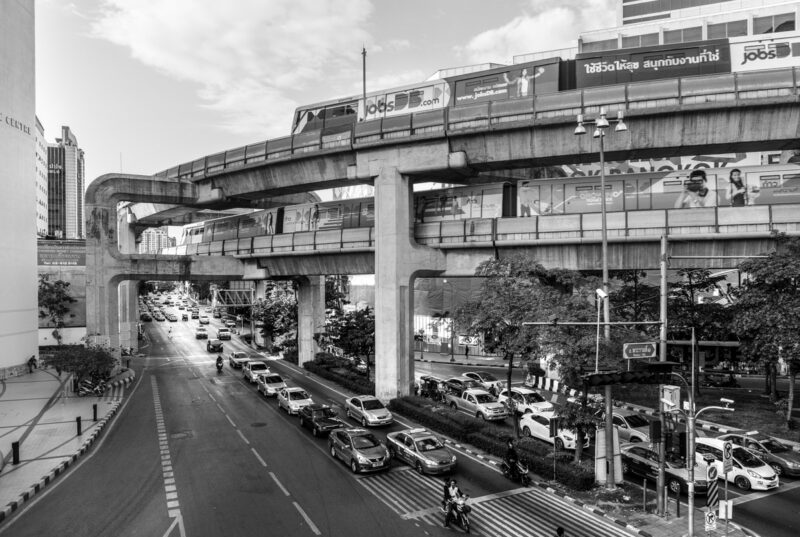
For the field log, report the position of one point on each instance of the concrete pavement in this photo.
(38, 410)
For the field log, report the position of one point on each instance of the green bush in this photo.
(491, 439)
(290, 355)
(349, 381)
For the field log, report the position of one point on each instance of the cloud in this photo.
(541, 27)
(252, 59)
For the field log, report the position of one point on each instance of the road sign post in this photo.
(638, 351)
(712, 499)
(727, 466)
(711, 520)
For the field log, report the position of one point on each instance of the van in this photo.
(223, 333)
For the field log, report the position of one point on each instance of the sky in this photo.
(149, 84)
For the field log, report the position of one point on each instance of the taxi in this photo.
(421, 450)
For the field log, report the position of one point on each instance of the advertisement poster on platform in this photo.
(781, 50)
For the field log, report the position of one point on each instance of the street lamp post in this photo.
(452, 322)
(601, 123)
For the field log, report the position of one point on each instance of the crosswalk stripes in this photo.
(524, 511)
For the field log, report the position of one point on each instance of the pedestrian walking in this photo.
(31, 364)
(466, 352)
(560, 532)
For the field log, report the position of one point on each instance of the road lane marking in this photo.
(286, 492)
(230, 420)
(263, 463)
(246, 441)
(307, 519)
(170, 489)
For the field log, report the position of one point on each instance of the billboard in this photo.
(778, 51)
(652, 63)
(520, 81)
(62, 253)
(432, 96)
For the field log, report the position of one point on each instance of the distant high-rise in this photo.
(41, 181)
(638, 11)
(65, 187)
(154, 239)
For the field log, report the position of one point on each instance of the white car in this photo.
(293, 399)
(526, 400)
(487, 380)
(270, 384)
(204, 319)
(368, 410)
(237, 359)
(538, 426)
(252, 369)
(747, 472)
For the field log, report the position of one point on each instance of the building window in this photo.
(774, 23)
(683, 35)
(599, 46)
(636, 41)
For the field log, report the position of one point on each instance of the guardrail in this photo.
(698, 91)
(710, 221)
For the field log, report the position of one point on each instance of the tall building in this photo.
(19, 310)
(41, 181)
(65, 187)
(154, 239)
(639, 11)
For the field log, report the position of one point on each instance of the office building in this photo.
(154, 239)
(65, 187)
(41, 181)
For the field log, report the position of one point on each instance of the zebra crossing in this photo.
(528, 511)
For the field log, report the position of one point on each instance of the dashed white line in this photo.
(307, 519)
(263, 463)
(230, 420)
(246, 441)
(286, 492)
(170, 489)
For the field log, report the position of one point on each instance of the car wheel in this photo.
(559, 443)
(674, 486)
(363, 421)
(354, 466)
(420, 471)
(314, 431)
(481, 416)
(777, 468)
(742, 482)
(453, 406)
(526, 431)
(302, 422)
(333, 451)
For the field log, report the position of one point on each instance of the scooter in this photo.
(460, 512)
(219, 366)
(521, 474)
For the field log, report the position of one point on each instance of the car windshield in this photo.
(428, 444)
(635, 420)
(274, 379)
(484, 398)
(297, 396)
(487, 377)
(746, 459)
(372, 404)
(238, 354)
(773, 446)
(365, 441)
(258, 367)
(324, 413)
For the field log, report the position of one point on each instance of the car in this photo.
(538, 426)
(204, 319)
(525, 400)
(321, 419)
(252, 369)
(421, 450)
(214, 345)
(292, 399)
(640, 459)
(237, 359)
(216, 314)
(631, 426)
(223, 333)
(368, 410)
(207, 310)
(181, 307)
(230, 324)
(476, 402)
(486, 380)
(270, 384)
(171, 317)
(201, 333)
(185, 317)
(146, 317)
(158, 316)
(747, 472)
(459, 384)
(783, 459)
(195, 315)
(359, 449)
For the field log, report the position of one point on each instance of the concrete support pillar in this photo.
(310, 316)
(261, 289)
(397, 259)
(128, 320)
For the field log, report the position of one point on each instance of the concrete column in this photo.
(397, 260)
(261, 289)
(310, 316)
(128, 332)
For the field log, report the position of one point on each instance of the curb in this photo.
(123, 382)
(50, 477)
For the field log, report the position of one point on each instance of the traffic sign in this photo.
(727, 457)
(712, 495)
(637, 351)
(711, 521)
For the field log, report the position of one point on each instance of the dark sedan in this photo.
(321, 419)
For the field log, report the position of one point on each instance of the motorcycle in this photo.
(458, 511)
(520, 473)
(219, 366)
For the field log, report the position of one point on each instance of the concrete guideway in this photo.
(39, 412)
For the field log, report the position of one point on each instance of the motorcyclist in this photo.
(219, 362)
(511, 459)
(451, 493)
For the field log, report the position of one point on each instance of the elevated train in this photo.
(521, 198)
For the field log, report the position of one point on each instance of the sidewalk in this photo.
(39, 411)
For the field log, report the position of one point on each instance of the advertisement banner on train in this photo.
(517, 82)
(781, 50)
(652, 63)
(408, 101)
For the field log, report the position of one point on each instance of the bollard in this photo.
(94, 411)
(78, 421)
(15, 452)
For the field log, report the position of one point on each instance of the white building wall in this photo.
(18, 270)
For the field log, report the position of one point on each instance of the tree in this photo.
(353, 332)
(635, 300)
(81, 361)
(277, 314)
(336, 290)
(54, 301)
(767, 310)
